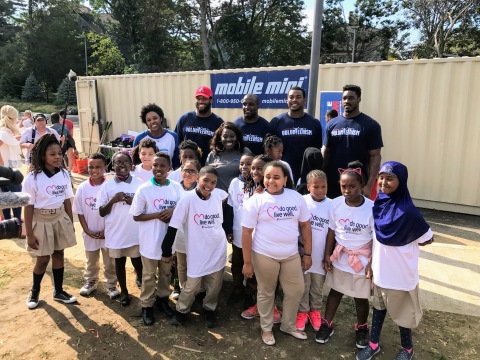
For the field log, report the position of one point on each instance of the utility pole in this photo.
(315, 58)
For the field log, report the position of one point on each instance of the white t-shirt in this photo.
(236, 199)
(396, 267)
(121, 231)
(353, 228)
(176, 175)
(85, 204)
(149, 199)
(319, 217)
(10, 149)
(275, 219)
(27, 138)
(48, 192)
(141, 173)
(205, 238)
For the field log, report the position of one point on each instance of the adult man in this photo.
(297, 129)
(166, 140)
(68, 143)
(253, 126)
(199, 125)
(352, 136)
(32, 134)
(68, 123)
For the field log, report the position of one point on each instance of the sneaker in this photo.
(403, 354)
(362, 336)
(64, 297)
(302, 319)
(175, 294)
(178, 319)
(250, 313)
(323, 335)
(32, 299)
(367, 353)
(277, 315)
(148, 316)
(88, 288)
(113, 292)
(315, 319)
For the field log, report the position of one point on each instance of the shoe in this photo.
(209, 318)
(32, 299)
(148, 316)
(268, 340)
(277, 315)
(138, 281)
(161, 304)
(175, 294)
(403, 354)
(367, 353)
(200, 296)
(362, 336)
(296, 334)
(302, 320)
(64, 297)
(323, 335)
(250, 313)
(315, 319)
(178, 318)
(125, 300)
(113, 292)
(88, 288)
(234, 298)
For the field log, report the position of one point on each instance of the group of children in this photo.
(280, 239)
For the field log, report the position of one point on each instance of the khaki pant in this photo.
(181, 268)
(212, 284)
(312, 295)
(92, 267)
(147, 293)
(268, 272)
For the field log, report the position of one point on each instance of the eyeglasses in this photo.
(190, 171)
(122, 163)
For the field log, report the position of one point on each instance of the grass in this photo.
(40, 107)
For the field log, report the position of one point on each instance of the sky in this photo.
(348, 5)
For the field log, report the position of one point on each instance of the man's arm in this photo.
(375, 158)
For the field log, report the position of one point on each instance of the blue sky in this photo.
(348, 5)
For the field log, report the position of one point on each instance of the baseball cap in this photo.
(204, 91)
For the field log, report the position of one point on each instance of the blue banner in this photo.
(329, 100)
(270, 86)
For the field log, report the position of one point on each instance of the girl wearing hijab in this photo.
(399, 231)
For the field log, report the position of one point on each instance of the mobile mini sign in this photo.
(270, 86)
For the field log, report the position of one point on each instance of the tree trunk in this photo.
(204, 34)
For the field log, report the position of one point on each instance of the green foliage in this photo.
(32, 90)
(65, 91)
(40, 107)
(106, 58)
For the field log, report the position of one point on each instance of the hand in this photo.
(368, 271)
(120, 196)
(128, 199)
(76, 152)
(259, 190)
(230, 238)
(166, 260)
(306, 262)
(327, 264)
(32, 242)
(427, 242)
(101, 234)
(248, 270)
(165, 215)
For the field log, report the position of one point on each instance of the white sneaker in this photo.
(175, 294)
(88, 288)
(113, 292)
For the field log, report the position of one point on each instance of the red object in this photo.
(82, 165)
(75, 166)
(204, 91)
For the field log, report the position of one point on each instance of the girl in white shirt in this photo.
(48, 217)
(142, 156)
(399, 231)
(188, 150)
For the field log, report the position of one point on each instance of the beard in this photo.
(205, 110)
(251, 115)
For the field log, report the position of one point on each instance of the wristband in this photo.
(307, 254)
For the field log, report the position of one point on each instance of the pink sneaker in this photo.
(315, 319)
(277, 315)
(250, 313)
(302, 319)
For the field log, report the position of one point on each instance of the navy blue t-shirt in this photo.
(297, 135)
(349, 140)
(198, 129)
(254, 133)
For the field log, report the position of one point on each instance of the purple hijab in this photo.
(397, 221)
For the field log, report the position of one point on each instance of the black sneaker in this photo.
(209, 318)
(148, 316)
(32, 299)
(178, 319)
(323, 335)
(403, 354)
(367, 353)
(362, 336)
(64, 297)
(161, 304)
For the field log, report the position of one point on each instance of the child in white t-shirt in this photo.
(347, 252)
(152, 208)
(48, 217)
(200, 213)
(93, 225)
(319, 206)
(142, 156)
(121, 231)
(273, 147)
(188, 150)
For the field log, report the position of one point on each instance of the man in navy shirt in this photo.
(297, 129)
(199, 125)
(352, 136)
(253, 126)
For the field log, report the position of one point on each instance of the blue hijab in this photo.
(397, 221)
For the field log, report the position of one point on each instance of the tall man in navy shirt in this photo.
(253, 126)
(297, 129)
(199, 125)
(352, 136)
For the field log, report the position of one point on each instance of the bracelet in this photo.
(307, 254)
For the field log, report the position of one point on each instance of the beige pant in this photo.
(312, 295)
(181, 268)
(147, 293)
(212, 284)
(92, 267)
(268, 272)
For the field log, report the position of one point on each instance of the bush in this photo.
(63, 92)
(32, 90)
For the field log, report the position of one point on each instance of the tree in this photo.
(32, 90)
(65, 91)
(106, 58)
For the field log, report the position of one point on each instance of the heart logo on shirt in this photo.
(240, 198)
(50, 189)
(271, 211)
(157, 203)
(344, 221)
(90, 201)
(198, 217)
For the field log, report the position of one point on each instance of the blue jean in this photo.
(17, 212)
